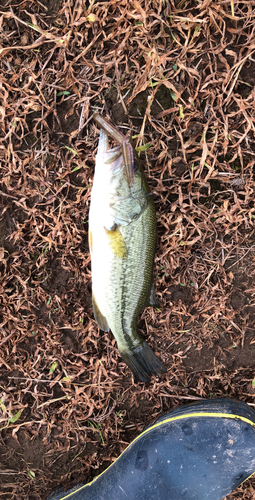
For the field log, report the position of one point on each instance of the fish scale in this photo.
(132, 277)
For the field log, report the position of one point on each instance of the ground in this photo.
(180, 76)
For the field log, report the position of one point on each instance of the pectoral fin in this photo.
(117, 243)
(100, 319)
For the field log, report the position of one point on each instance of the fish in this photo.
(122, 243)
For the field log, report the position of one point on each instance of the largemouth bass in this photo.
(122, 241)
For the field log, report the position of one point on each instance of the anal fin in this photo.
(99, 317)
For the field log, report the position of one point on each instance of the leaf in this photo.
(144, 147)
(72, 150)
(153, 84)
(2, 406)
(90, 423)
(36, 28)
(91, 18)
(75, 169)
(31, 473)
(53, 367)
(181, 112)
(63, 92)
(97, 427)
(15, 417)
(175, 39)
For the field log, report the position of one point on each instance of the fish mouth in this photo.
(123, 150)
(112, 157)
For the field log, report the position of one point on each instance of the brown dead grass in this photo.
(181, 75)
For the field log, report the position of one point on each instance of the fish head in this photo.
(122, 141)
(119, 181)
(114, 161)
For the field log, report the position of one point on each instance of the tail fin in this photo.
(143, 362)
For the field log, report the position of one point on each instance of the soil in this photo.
(69, 405)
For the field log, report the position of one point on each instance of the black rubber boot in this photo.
(201, 451)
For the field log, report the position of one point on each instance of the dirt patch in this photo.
(224, 353)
